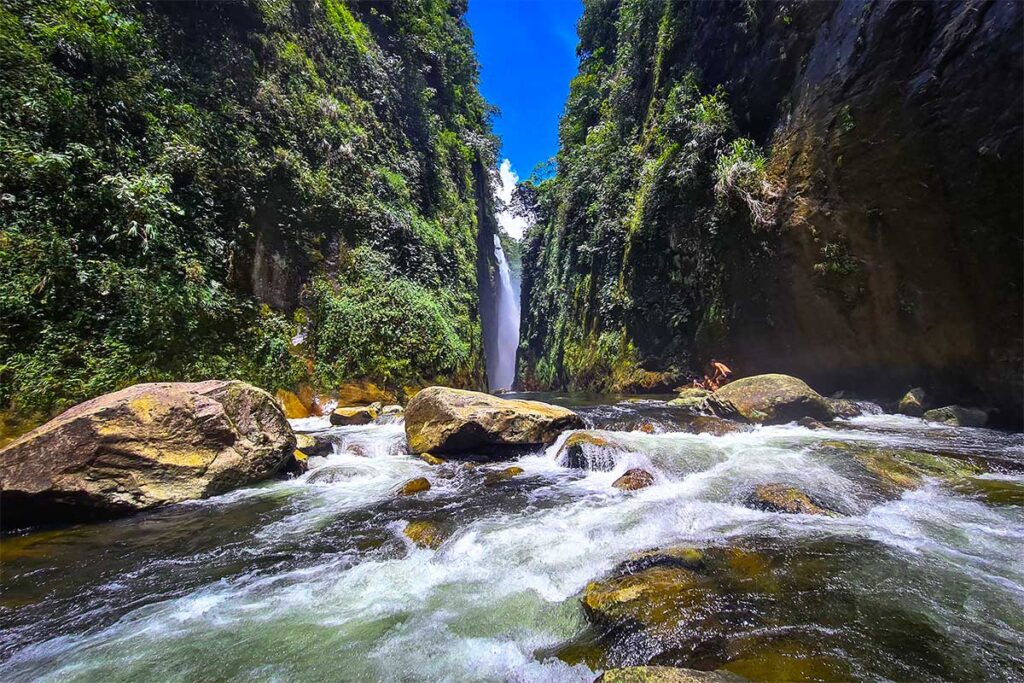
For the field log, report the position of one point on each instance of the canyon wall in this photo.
(829, 189)
(283, 192)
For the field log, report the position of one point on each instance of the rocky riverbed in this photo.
(873, 547)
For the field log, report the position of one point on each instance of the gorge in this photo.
(286, 395)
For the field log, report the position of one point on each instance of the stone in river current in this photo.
(634, 479)
(142, 447)
(448, 421)
(354, 415)
(666, 674)
(771, 399)
(782, 498)
(414, 486)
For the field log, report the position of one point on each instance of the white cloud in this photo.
(513, 225)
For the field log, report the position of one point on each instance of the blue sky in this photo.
(527, 53)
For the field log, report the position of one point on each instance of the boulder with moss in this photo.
(783, 498)
(586, 450)
(448, 421)
(958, 416)
(143, 447)
(771, 399)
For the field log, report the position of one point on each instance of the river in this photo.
(312, 579)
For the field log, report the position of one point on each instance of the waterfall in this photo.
(501, 368)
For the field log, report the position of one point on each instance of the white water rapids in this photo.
(311, 579)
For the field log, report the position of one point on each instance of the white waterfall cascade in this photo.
(503, 368)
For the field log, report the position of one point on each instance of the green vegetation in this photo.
(180, 182)
(623, 272)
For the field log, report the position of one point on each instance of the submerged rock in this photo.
(414, 486)
(958, 416)
(783, 498)
(453, 421)
(912, 403)
(771, 399)
(353, 415)
(906, 469)
(634, 479)
(142, 447)
(666, 674)
(660, 598)
(995, 491)
(425, 534)
(495, 478)
(716, 426)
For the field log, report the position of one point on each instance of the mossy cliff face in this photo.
(827, 189)
(185, 187)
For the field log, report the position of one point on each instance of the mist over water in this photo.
(501, 369)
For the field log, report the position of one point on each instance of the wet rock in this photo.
(657, 599)
(666, 674)
(912, 403)
(771, 399)
(682, 556)
(842, 407)
(425, 534)
(393, 410)
(691, 398)
(958, 416)
(298, 463)
(495, 478)
(142, 447)
(786, 659)
(810, 423)
(452, 421)
(586, 450)
(431, 459)
(906, 469)
(996, 491)
(314, 445)
(716, 426)
(787, 499)
(634, 479)
(414, 486)
(291, 406)
(353, 415)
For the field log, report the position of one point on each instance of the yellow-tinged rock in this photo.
(634, 479)
(782, 498)
(353, 415)
(141, 447)
(431, 459)
(414, 486)
(425, 534)
(442, 421)
(666, 674)
(494, 478)
(291, 404)
(659, 598)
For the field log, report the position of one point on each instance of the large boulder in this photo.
(454, 421)
(771, 399)
(958, 416)
(141, 447)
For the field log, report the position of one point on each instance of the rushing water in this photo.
(311, 579)
(501, 369)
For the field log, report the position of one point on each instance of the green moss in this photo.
(141, 180)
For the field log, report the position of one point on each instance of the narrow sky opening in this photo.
(527, 53)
